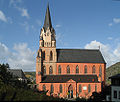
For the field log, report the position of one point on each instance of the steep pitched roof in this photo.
(17, 73)
(47, 21)
(65, 78)
(79, 56)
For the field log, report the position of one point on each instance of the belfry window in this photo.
(93, 69)
(68, 69)
(44, 88)
(59, 69)
(50, 70)
(77, 69)
(85, 69)
(60, 88)
(51, 56)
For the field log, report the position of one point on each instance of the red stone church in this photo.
(67, 73)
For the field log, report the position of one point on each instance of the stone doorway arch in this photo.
(70, 91)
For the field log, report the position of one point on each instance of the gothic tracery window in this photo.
(60, 88)
(80, 88)
(44, 88)
(44, 69)
(51, 88)
(51, 56)
(77, 69)
(89, 88)
(43, 55)
(50, 70)
(100, 71)
(85, 69)
(59, 69)
(93, 69)
(68, 69)
(95, 88)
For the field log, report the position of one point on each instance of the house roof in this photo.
(117, 76)
(17, 73)
(79, 56)
(65, 78)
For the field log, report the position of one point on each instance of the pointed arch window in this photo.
(43, 53)
(59, 69)
(60, 88)
(93, 69)
(77, 69)
(80, 88)
(89, 88)
(44, 70)
(50, 70)
(44, 88)
(68, 69)
(51, 55)
(95, 88)
(100, 71)
(51, 88)
(85, 69)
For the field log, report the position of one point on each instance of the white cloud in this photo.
(27, 26)
(3, 52)
(38, 22)
(24, 12)
(14, 2)
(57, 26)
(110, 56)
(3, 17)
(109, 38)
(110, 24)
(22, 57)
(116, 20)
(17, 4)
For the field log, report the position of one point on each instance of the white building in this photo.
(115, 88)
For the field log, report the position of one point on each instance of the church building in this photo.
(67, 73)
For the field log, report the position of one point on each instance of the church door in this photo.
(70, 91)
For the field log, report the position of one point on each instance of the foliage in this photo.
(12, 89)
(112, 70)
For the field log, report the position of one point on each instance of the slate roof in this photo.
(17, 73)
(115, 76)
(79, 56)
(47, 21)
(65, 78)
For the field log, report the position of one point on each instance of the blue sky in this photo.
(78, 24)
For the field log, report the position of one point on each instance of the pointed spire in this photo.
(47, 21)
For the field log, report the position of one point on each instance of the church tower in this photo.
(46, 55)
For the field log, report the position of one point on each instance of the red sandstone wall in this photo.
(65, 86)
(81, 68)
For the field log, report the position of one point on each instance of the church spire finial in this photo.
(47, 21)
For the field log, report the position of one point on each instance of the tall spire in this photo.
(47, 21)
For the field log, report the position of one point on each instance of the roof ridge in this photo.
(75, 49)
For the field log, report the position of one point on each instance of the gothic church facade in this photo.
(67, 73)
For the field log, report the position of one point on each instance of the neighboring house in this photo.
(67, 73)
(115, 88)
(19, 74)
